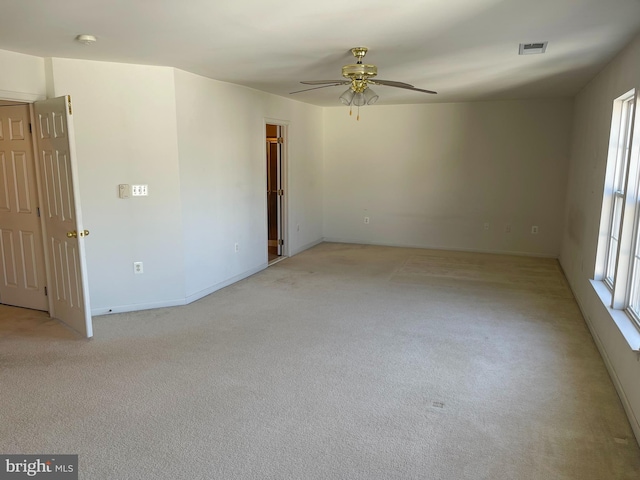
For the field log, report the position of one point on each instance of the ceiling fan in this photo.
(359, 76)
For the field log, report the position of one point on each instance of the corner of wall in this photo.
(49, 77)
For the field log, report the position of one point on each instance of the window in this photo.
(622, 143)
(619, 246)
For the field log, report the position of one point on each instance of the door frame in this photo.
(29, 98)
(284, 131)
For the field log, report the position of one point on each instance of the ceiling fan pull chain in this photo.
(358, 117)
(350, 110)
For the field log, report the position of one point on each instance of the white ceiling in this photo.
(464, 49)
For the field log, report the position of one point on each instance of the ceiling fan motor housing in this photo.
(359, 71)
(359, 74)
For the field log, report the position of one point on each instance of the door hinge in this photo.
(46, 294)
(280, 193)
(38, 209)
(69, 103)
(280, 242)
(280, 139)
(30, 129)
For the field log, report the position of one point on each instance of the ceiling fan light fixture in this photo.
(370, 96)
(359, 100)
(347, 96)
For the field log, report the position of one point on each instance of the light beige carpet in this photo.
(343, 362)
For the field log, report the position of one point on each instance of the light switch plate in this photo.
(140, 190)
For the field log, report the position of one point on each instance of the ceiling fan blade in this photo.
(406, 86)
(322, 82)
(421, 90)
(390, 83)
(315, 88)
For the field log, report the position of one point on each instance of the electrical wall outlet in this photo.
(486, 225)
(366, 219)
(534, 229)
(507, 228)
(236, 247)
(137, 268)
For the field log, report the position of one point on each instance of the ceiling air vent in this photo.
(531, 48)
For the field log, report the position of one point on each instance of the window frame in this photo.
(622, 134)
(621, 292)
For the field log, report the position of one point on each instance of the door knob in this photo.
(72, 234)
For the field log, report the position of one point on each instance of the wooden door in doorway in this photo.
(275, 191)
(22, 269)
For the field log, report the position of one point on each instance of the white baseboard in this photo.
(438, 247)
(631, 416)
(225, 283)
(306, 247)
(134, 307)
(633, 420)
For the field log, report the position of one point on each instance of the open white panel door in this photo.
(65, 233)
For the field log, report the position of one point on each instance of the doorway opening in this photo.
(23, 273)
(41, 233)
(275, 192)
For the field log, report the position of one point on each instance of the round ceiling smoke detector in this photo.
(86, 39)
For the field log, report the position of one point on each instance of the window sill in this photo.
(626, 326)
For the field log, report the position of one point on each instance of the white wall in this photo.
(125, 125)
(221, 138)
(200, 146)
(432, 175)
(592, 122)
(22, 77)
